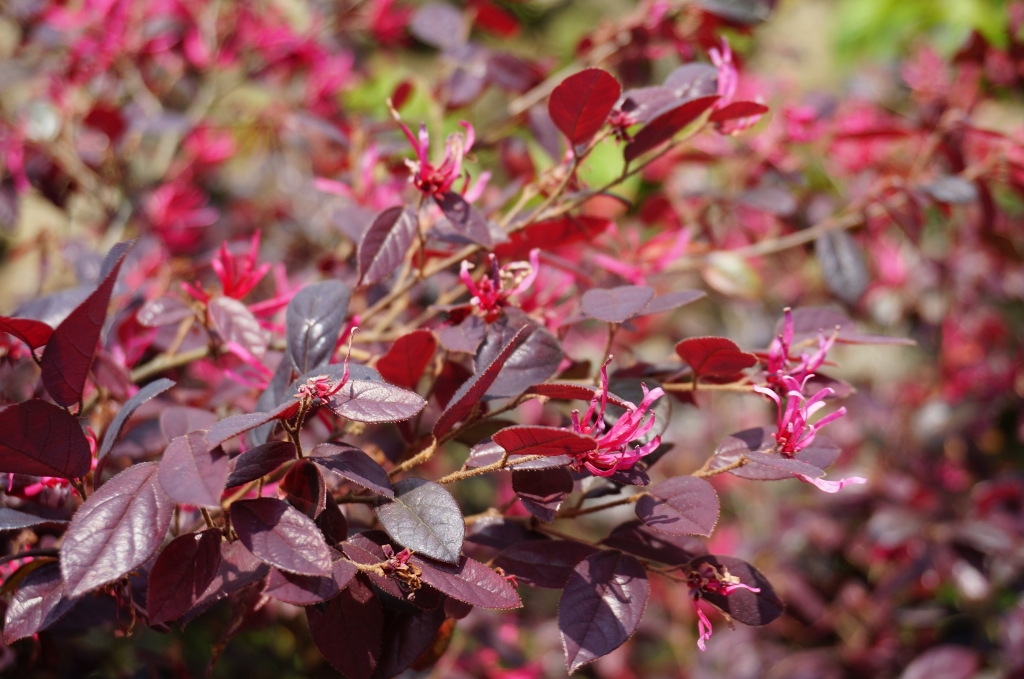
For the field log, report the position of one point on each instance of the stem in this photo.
(487, 469)
(692, 386)
(417, 459)
(706, 471)
(574, 512)
(29, 552)
(207, 518)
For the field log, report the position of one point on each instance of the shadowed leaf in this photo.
(180, 575)
(260, 461)
(750, 608)
(303, 590)
(384, 245)
(353, 465)
(543, 563)
(130, 406)
(42, 440)
(542, 491)
(683, 505)
(192, 473)
(470, 582)
(282, 536)
(347, 629)
(640, 540)
(313, 323)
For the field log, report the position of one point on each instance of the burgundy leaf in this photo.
(543, 563)
(542, 491)
(33, 333)
(738, 109)
(408, 636)
(470, 582)
(42, 440)
(332, 522)
(304, 488)
(581, 103)
(750, 608)
(230, 427)
(572, 392)
(232, 322)
(131, 405)
(260, 461)
(38, 602)
(551, 234)
(682, 505)
(180, 420)
(347, 629)
(238, 569)
(672, 300)
(465, 219)
(666, 125)
(408, 357)
(71, 347)
(192, 473)
(166, 310)
(489, 452)
(373, 402)
(353, 465)
(946, 661)
(616, 305)
(714, 356)
(313, 323)
(534, 360)
(425, 518)
(465, 336)
(365, 548)
(12, 519)
(601, 606)
(303, 590)
(470, 393)
(116, 530)
(528, 439)
(180, 575)
(384, 245)
(280, 535)
(500, 533)
(640, 540)
(763, 463)
(635, 476)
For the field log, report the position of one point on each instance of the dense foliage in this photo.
(371, 316)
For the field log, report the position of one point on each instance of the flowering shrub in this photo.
(287, 367)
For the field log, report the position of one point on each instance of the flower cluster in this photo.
(779, 358)
(708, 579)
(436, 180)
(491, 293)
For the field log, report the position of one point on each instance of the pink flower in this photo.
(832, 486)
(612, 452)
(779, 358)
(428, 178)
(177, 211)
(491, 293)
(239, 275)
(708, 579)
(794, 430)
(728, 76)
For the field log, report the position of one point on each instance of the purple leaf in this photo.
(693, 80)
(543, 563)
(116, 530)
(230, 427)
(408, 357)
(616, 305)
(180, 575)
(303, 590)
(353, 465)
(470, 393)
(714, 356)
(373, 402)
(683, 505)
(809, 322)
(465, 337)
(465, 219)
(38, 602)
(438, 24)
(12, 519)
(763, 463)
(581, 103)
(470, 582)
(572, 392)
(635, 476)
(842, 265)
(232, 322)
(304, 488)
(332, 522)
(666, 125)
(33, 333)
(42, 440)
(944, 662)
(489, 452)
(280, 535)
(384, 245)
(425, 518)
(192, 473)
(260, 461)
(601, 606)
(750, 608)
(534, 360)
(671, 300)
(408, 636)
(525, 439)
(365, 548)
(131, 405)
(313, 323)
(542, 491)
(347, 629)
(180, 420)
(166, 310)
(238, 569)
(640, 540)
(69, 351)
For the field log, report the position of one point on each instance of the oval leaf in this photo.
(384, 245)
(542, 491)
(38, 602)
(33, 333)
(373, 402)
(527, 439)
(616, 305)
(842, 265)
(635, 538)
(353, 465)
(425, 518)
(714, 356)
(182, 572)
(543, 563)
(763, 463)
(534, 360)
(405, 361)
(42, 440)
(666, 125)
(465, 219)
(750, 608)
(233, 323)
(347, 629)
(12, 519)
(470, 582)
(282, 536)
(191, 473)
(260, 461)
(683, 505)
(313, 323)
(581, 103)
(672, 300)
(303, 590)
(116, 530)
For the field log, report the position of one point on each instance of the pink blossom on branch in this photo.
(492, 292)
(708, 579)
(431, 179)
(794, 430)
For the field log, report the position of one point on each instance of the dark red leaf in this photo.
(130, 406)
(332, 522)
(373, 402)
(581, 103)
(601, 606)
(750, 608)
(738, 109)
(682, 505)
(260, 461)
(572, 392)
(230, 427)
(180, 575)
(313, 322)
(232, 322)
(33, 333)
(12, 519)
(38, 602)
(465, 219)
(470, 582)
(281, 536)
(551, 234)
(425, 518)
(640, 540)
(71, 347)
(384, 245)
(238, 569)
(616, 305)
(408, 357)
(470, 393)
(410, 639)
(666, 125)
(42, 440)
(303, 590)
(714, 356)
(528, 439)
(353, 465)
(535, 359)
(116, 530)
(542, 491)
(304, 488)
(192, 473)
(347, 629)
(543, 563)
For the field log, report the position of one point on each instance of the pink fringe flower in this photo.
(491, 293)
(435, 180)
(707, 579)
